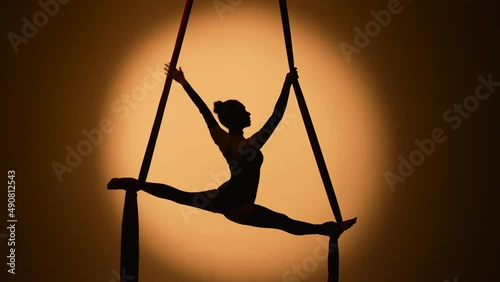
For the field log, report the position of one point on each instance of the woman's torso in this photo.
(244, 162)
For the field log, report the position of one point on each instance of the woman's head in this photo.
(232, 114)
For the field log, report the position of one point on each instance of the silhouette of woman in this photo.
(235, 198)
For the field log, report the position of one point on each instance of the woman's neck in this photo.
(236, 132)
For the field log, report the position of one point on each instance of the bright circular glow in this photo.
(244, 59)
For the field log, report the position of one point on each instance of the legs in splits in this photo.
(259, 216)
(201, 200)
(247, 214)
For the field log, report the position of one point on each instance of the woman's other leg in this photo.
(259, 216)
(202, 200)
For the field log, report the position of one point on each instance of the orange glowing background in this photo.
(244, 58)
(93, 62)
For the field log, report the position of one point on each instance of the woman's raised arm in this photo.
(261, 136)
(178, 76)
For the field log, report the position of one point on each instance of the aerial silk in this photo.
(129, 260)
(333, 251)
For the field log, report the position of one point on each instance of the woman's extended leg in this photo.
(259, 216)
(202, 200)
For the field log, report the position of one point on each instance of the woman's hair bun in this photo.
(218, 107)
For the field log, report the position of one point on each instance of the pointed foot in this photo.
(348, 224)
(334, 229)
(128, 184)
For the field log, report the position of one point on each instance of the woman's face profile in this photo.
(242, 116)
(239, 116)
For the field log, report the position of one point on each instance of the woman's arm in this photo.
(178, 76)
(261, 136)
